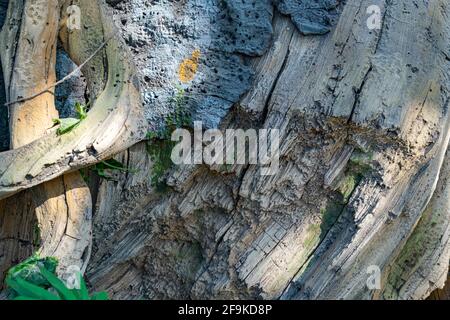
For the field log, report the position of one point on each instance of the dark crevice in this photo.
(280, 72)
(4, 127)
(67, 211)
(383, 19)
(357, 92)
(71, 91)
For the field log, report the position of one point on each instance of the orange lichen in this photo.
(188, 67)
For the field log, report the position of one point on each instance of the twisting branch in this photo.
(67, 77)
(116, 119)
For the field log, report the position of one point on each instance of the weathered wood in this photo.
(364, 123)
(115, 120)
(363, 118)
(55, 217)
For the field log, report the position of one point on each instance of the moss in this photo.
(426, 235)
(317, 231)
(361, 158)
(160, 152)
(329, 216)
(313, 236)
(348, 185)
(159, 146)
(357, 168)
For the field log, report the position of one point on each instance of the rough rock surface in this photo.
(164, 33)
(310, 17)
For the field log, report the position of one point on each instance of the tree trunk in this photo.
(363, 180)
(53, 218)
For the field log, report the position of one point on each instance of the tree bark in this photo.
(364, 131)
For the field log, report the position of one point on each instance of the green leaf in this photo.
(110, 164)
(100, 170)
(81, 111)
(117, 165)
(66, 125)
(24, 298)
(100, 296)
(84, 294)
(114, 164)
(29, 270)
(46, 267)
(24, 288)
(58, 285)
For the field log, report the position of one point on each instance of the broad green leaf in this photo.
(24, 298)
(66, 125)
(81, 111)
(29, 270)
(100, 296)
(58, 285)
(84, 294)
(77, 294)
(24, 288)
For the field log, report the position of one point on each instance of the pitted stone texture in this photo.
(161, 34)
(311, 17)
